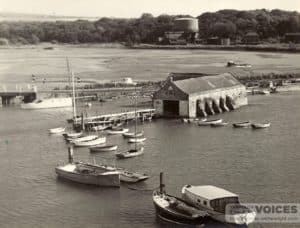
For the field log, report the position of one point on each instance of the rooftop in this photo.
(206, 83)
(210, 192)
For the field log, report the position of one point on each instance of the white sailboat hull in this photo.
(91, 142)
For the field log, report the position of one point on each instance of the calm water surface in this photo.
(260, 166)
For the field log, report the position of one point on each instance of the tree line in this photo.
(146, 29)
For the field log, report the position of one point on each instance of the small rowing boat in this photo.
(72, 135)
(242, 124)
(260, 125)
(136, 140)
(218, 124)
(94, 142)
(84, 138)
(133, 134)
(100, 127)
(117, 131)
(57, 130)
(209, 122)
(131, 153)
(103, 148)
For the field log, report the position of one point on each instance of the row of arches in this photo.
(211, 106)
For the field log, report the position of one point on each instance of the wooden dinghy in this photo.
(209, 122)
(103, 148)
(72, 135)
(131, 153)
(84, 138)
(242, 124)
(133, 135)
(94, 142)
(222, 124)
(260, 125)
(57, 130)
(117, 131)
(136, 140)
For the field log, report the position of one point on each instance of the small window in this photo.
(199, 201)
(204, 202)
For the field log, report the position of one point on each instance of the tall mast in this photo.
(135, 125)
(73, 96)
(69, 73)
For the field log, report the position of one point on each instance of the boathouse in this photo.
(196, 95)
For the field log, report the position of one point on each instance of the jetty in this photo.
(110, 119)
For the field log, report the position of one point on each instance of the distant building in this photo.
(292, 37)
(213, 40)
(251, 38)
(174, 38)
(185, 30)
(194, 95)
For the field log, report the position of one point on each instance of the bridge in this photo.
(8, 93)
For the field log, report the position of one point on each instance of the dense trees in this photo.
(147, 29)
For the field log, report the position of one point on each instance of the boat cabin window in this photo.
(199, 201)
(205, 202)
(220, 204)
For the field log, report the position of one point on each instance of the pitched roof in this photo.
(206, 83)
(210, 192)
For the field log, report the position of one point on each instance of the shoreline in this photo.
(278, 47)
(259, 48)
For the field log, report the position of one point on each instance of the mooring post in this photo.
(71, 154)
(161, 183)
(82, 122)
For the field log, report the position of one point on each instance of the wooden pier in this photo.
(110, 119)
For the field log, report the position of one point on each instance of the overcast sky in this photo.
(134, 8)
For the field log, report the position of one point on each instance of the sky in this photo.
(135, 8)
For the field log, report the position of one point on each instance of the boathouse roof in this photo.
(206, 83)
(210, 192)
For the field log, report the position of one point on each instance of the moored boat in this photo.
(125, 175)
(242, 124)
(132, 177)
(86, 173)
(97, 141)
(84, 138)
(100, 127)
(103, 148)
(117, 131)
(57, 130)
(136, 140)
(216, 201)
(131, 153)
(260, 125)
(209, 122)
(133, 134)
(175, 210)
(72, 135)
(218, 124)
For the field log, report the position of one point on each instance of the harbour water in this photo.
(261, 166)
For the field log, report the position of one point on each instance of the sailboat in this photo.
(136, 151)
